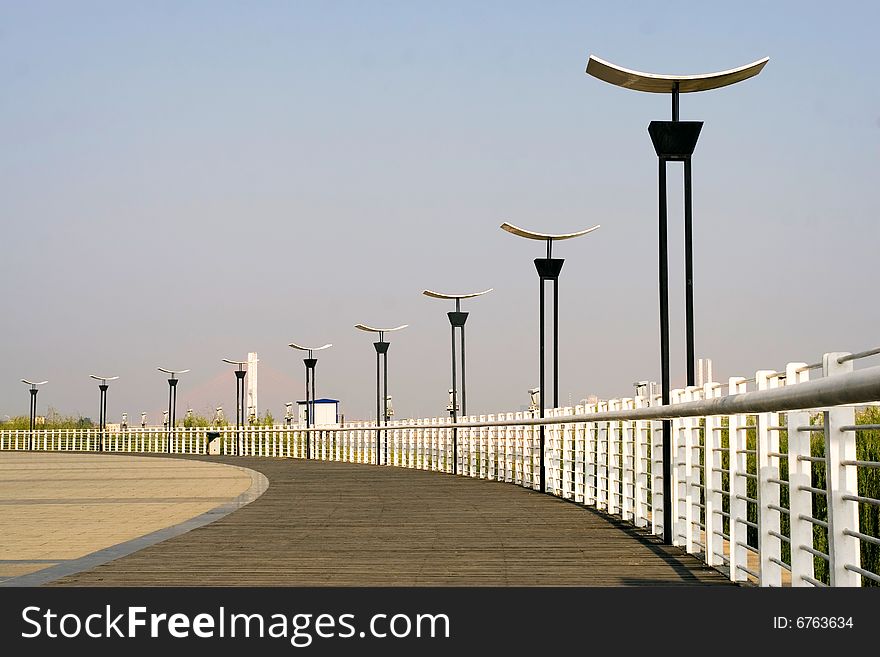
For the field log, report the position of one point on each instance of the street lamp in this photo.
(548, 270)
(172, 403)
(240, 373)
(310, 363)
(381, 398)
(33, 390)
(102, 411)
(457, 319)
(674, 141)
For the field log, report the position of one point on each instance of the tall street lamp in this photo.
(457, 319)
(548, 270)
(240, 416)
(674, 141)
(102, 411)
(310, 363)
(33, 390)
(172, 403)
(381, 406)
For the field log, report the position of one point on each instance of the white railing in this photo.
(766, 478)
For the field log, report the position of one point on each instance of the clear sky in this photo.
(188, 181)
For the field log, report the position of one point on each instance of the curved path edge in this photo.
(259, 485)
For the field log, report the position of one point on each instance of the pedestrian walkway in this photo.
(342, 524)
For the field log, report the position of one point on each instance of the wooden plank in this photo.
(344, 524)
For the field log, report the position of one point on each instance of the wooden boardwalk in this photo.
(343, 524)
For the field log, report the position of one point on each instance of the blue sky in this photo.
(188, 181)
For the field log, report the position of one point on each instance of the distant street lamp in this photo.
(33, 390)
(548, 270)
(673, 141)
(310, 363)
(457, 319)
(102, 411)
(240, 416)
(381, 406)
(172, 404)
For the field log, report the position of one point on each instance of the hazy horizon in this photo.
(186, 182)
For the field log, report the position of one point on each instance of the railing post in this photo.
(482, 456)
(615, 460)
(578, 476)
(692, 471)
(800, 475)
(627, 464)
(769, 545)
(519, 451)
(679, 478)
(492, 450)
(736, 461)
(712, 481)
(641, 453)
(591, 466)
(841, 481)
(602, 439)
(657, 503)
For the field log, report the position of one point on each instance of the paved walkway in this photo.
(56, 508)
(343, 524)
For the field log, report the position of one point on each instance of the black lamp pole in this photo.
(381, 384)
(240, 413)
(239, 408)
(381, 399)
(172, 404)
(548, 270)
(102, 410)
(673, 140)
(310, 363)
(172, 410)
(33, 416)
(457, 320)
(33, 409)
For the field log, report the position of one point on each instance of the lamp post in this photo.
(457, 319)
(240, 373)
(548, 270)
(674, 141)
(310, 363)
(102, 411)
(172, 403)
(33, 390)
(381, 397)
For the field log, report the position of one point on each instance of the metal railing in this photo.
(766, 481)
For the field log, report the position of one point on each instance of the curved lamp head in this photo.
(33, 383)
(364, 327)
(242, 364)
(441, 295)
(172, 372)
(532, 235)
(302, 348)
(659, 83)
(103, 379)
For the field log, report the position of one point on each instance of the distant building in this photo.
(326, 411)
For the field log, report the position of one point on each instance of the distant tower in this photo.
(252, 408)
(704, 371)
